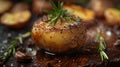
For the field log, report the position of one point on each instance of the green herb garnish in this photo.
(11, 48)
(59, 13)
(102, 46)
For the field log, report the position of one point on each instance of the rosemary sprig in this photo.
(11, 48)
(59, 13)
(102, 46)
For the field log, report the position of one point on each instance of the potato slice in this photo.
(16, 20)
(112, 15)
(84, 14)
(5, 6)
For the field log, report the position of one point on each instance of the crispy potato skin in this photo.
(112, 16)
(16, 20)
(83, 13)
(59, 39)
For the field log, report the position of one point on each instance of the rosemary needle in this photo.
(12, 45)
(23, 36)
(102, 46)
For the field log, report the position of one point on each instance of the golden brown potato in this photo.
(16, 20)
(84, 14)
(5, 6)
(112, 16)
(39, 6)
(20, 7)
(63, 37)
(99, 6)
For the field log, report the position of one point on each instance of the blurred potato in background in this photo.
(99, 6)
(5, 5)
(112, 16)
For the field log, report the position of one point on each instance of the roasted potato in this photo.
(83, 13)
(5, 6)
(16, 20)
(112, 16)
(20, 7)
(63, 37)
(39, 6)
(99, 6)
